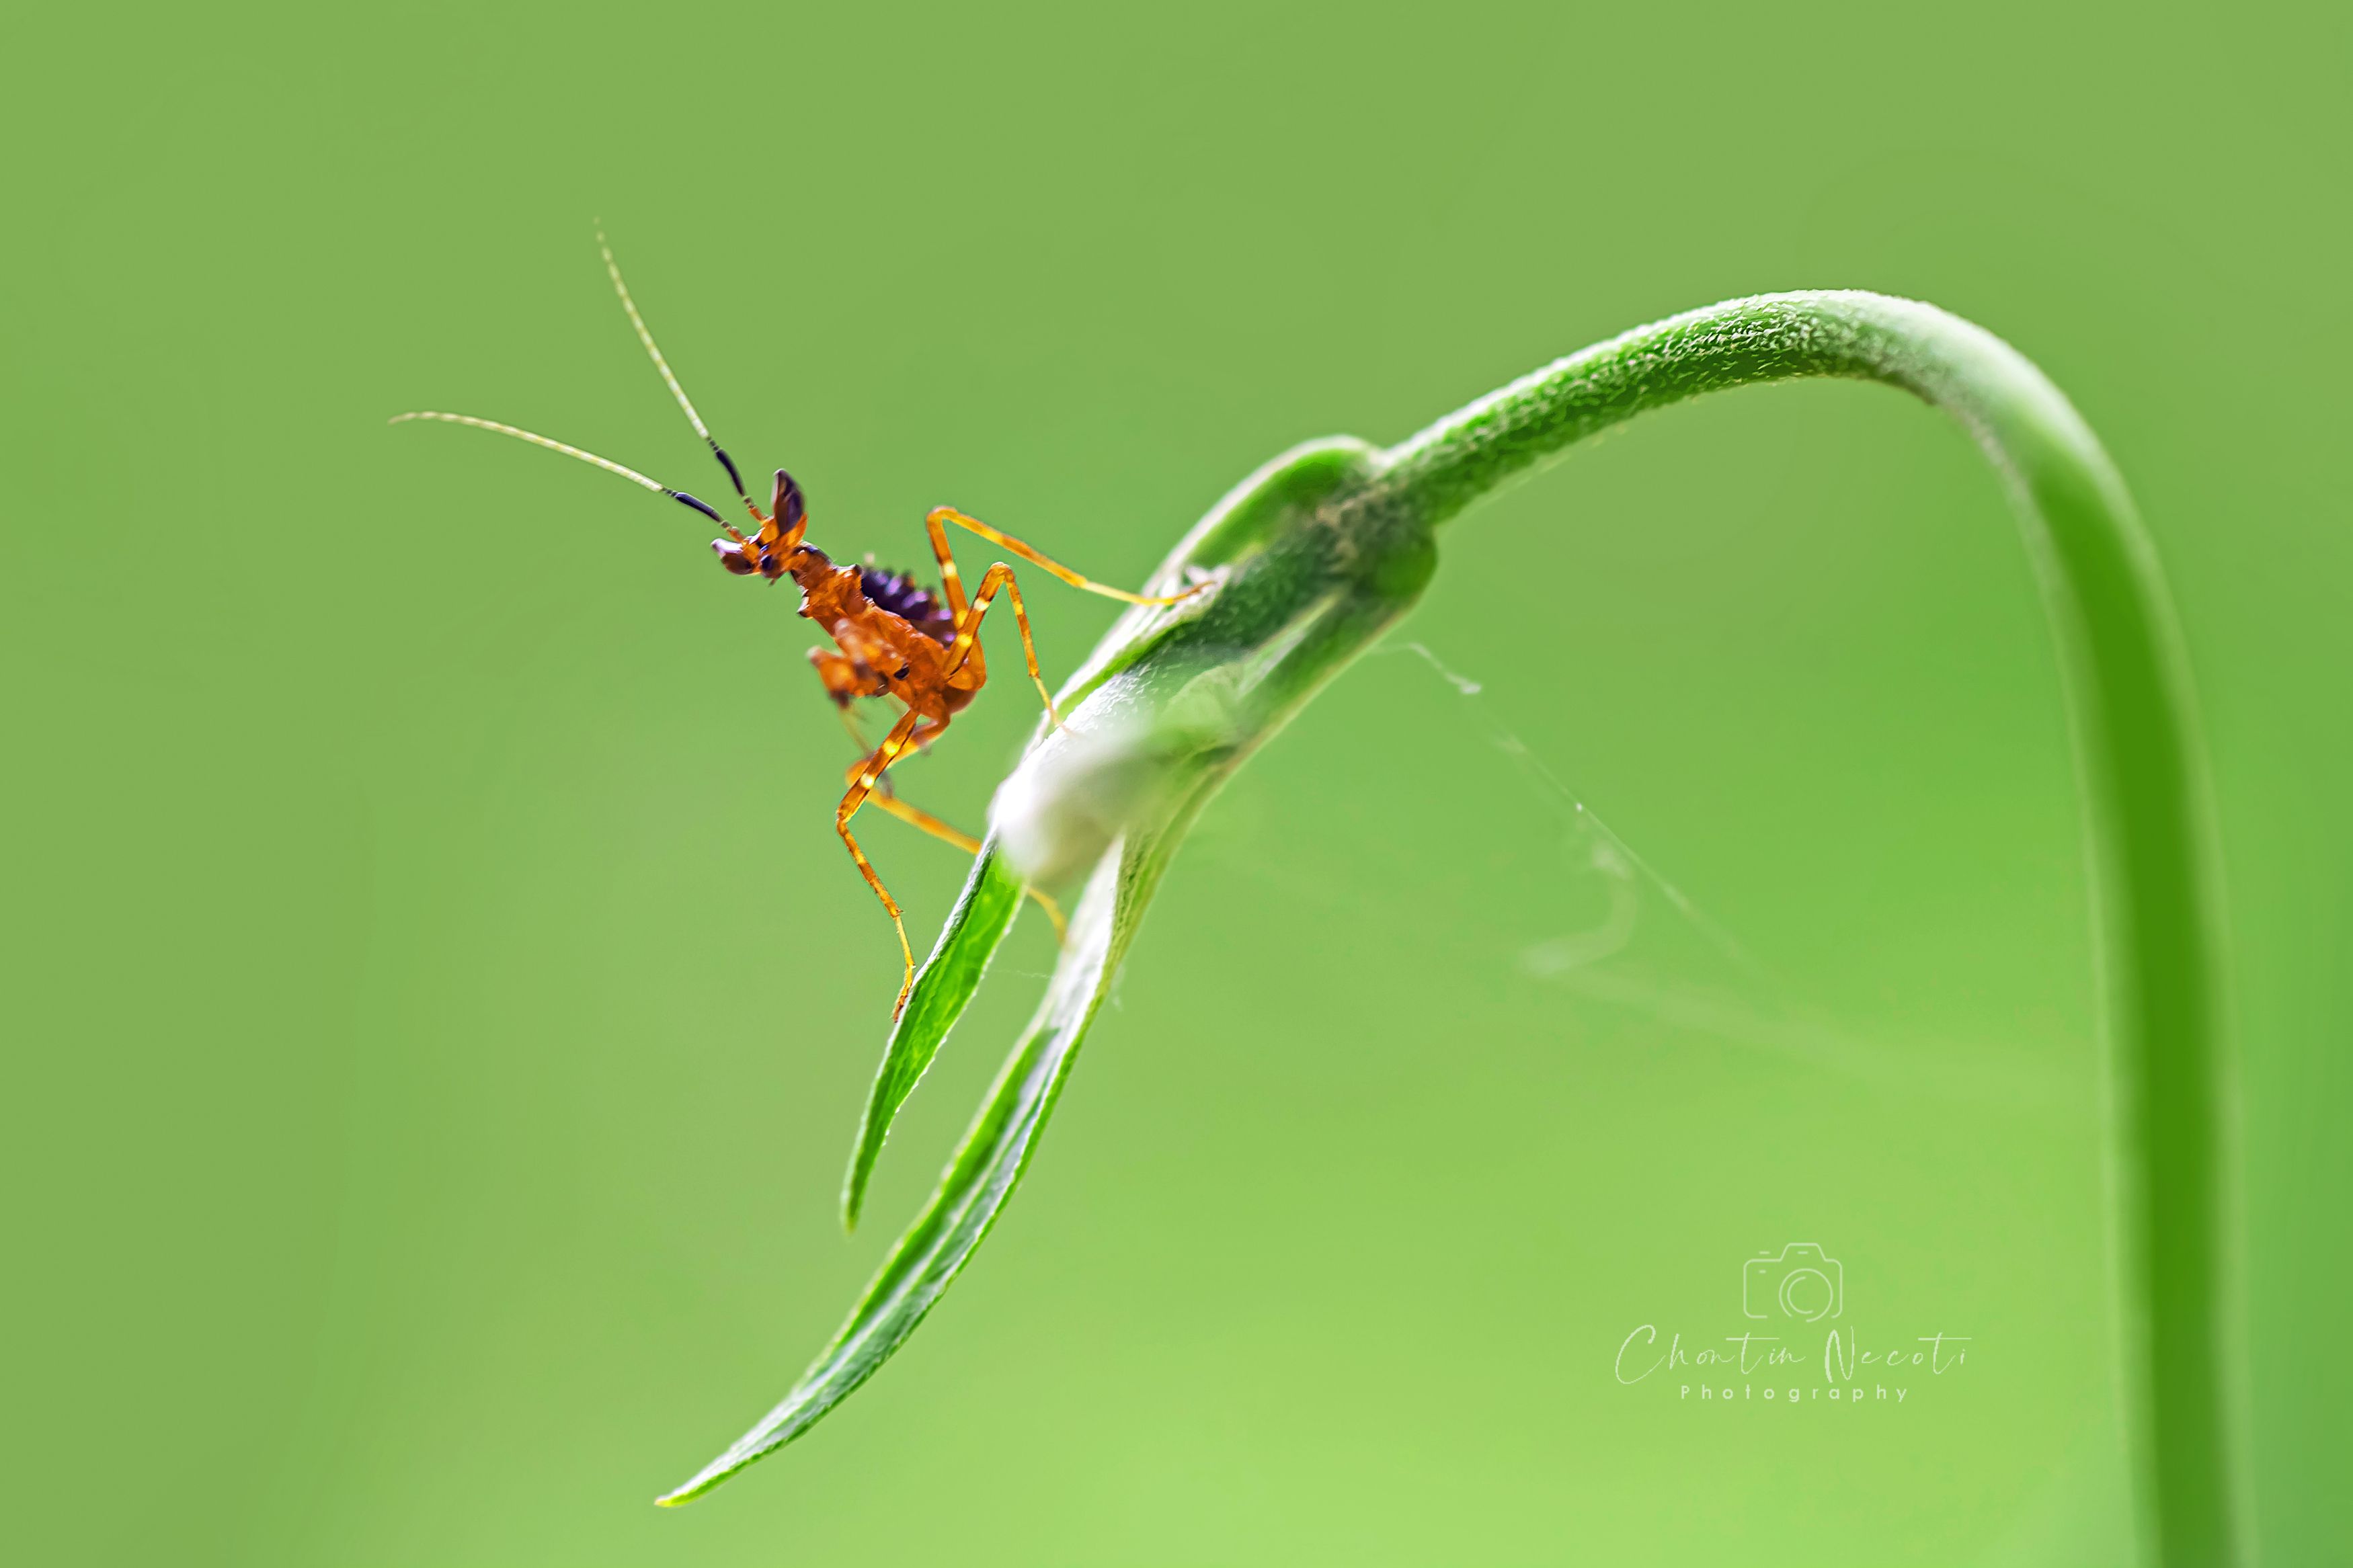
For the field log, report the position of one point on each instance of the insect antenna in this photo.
(607, 463)
(670, 379)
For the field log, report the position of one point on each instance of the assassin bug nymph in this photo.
(892, 637)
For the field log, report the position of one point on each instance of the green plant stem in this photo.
(2158, 893)
(1315, 555)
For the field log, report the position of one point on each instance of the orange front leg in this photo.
(883, 800)
(845, 678)
(964, 649)
(870, 775)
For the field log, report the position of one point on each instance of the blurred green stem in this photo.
(2149, 822)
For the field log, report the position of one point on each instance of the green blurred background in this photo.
(438, 1004)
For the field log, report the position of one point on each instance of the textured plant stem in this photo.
(2149, 822)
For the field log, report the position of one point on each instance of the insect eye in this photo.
(731, 555)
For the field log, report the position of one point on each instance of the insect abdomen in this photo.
(900, 595)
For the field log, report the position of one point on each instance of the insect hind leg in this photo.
(1039, 559)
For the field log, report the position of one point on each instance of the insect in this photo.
(893, 639)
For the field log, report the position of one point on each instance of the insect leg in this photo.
(858, 739)
(862, 785)
(951, 581)
(969, 630)
(949, 514)
(883, 800)
(845, 678)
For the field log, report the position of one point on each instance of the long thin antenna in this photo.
(607, 463)
(670, 379)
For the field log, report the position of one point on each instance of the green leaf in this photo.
(983, 914)
(995, 1152)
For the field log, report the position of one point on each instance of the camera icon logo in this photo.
(1804, 1282)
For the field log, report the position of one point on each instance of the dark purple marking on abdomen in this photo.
(902, 595)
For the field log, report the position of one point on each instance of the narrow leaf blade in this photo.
(983, 914)
(972, 1191)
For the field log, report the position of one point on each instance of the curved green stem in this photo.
(2149, 822)
(1315, 555)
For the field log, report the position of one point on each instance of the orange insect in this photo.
(892, 637)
